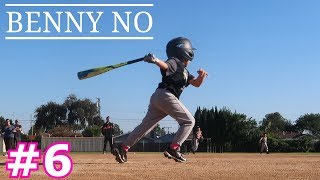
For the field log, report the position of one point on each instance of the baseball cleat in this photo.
(120, 154)
(174, 154)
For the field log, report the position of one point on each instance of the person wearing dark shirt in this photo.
(7, 131)
(107, 131)
(17, 133)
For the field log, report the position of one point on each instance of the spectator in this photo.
(17, 133)
(107, 131)
(197, 138)
(8, 135)
(263, 143)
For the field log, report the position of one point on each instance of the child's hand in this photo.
(202, 73)
(150, 58)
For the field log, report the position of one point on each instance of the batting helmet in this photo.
(180, 48)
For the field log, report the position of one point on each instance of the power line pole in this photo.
(31, 124)
(99, 107)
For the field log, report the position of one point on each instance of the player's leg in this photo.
(262, 147)
(111, 143)
(173, 107)
(105, 141)
(18, 139)
(147, 124)
(14, 142)
(196, 145)
(153, 116)
(7, 144)
(185, 148)
(193, 147)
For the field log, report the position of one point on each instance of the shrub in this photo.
(93, 131)
(317, 146)
(64, 131)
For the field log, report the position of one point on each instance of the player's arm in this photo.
(196, 82)
(162, 65)
(150, 58)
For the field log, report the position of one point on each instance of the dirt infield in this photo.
(199, 166)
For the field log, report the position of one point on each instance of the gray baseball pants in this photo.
(264, 146)
(195, 144)
(163, 103)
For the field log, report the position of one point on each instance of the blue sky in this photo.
(261, 56)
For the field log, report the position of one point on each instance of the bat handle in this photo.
(136, 60)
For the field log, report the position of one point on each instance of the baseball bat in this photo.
(96, 71)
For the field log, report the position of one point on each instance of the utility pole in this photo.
(99, 107)
(31, 124)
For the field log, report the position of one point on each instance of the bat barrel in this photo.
(96, 71)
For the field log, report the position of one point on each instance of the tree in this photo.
(98, 121)
(275, 122)
(2, 121)
(230, 130)
(158, 131)
(310, 122)
(32, 130)
(117, 130)
(49, 116)
(82, 112)
(74, 113)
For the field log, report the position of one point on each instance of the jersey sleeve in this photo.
(190, 77)
(172, 67)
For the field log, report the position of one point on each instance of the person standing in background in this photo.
(263, 143)
(17, 133)
(197, 138)
(8, 135)
(107, 131)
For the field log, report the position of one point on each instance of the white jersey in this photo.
(263, 140)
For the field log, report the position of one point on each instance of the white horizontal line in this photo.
(78, 5)
(79, 38)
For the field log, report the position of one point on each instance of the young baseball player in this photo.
(197, 137)
(263, 143)
(165, 100)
